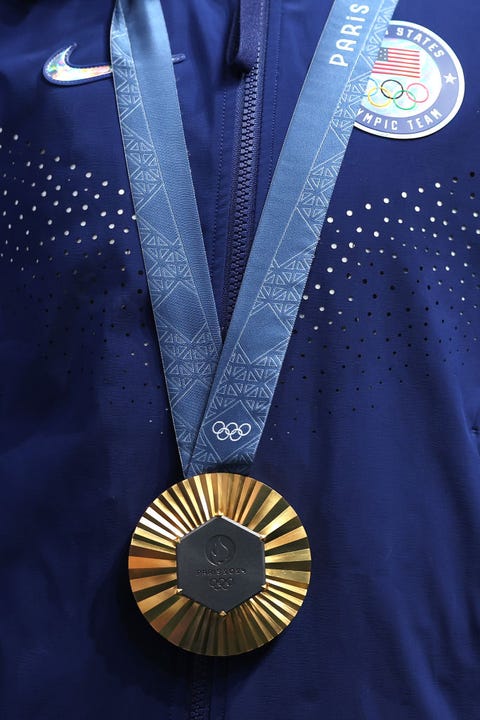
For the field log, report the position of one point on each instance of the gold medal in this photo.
(219, 564)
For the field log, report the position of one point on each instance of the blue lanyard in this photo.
(220, 395)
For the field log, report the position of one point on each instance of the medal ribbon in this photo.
(220, 396)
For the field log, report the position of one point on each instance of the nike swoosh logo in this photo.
(60, 71)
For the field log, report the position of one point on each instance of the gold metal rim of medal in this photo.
(188, 505)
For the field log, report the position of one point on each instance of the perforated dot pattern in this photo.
(393, 285)
(76, 279)
(394, 291)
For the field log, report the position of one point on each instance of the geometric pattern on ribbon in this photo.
(188, 361)
(211, 388)
(243, 393)
(319, 187)
(188, 348)
(168, 268)
(280, 291)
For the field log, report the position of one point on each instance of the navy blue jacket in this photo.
(373, 435)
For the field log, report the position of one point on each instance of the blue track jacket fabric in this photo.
(373, 435)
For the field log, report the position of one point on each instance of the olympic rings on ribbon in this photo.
(230, 431)
(393, 96)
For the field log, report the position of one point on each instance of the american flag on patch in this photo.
(397, 61)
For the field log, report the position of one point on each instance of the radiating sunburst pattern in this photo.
(153, 564)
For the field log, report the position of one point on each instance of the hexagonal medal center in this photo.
(221, 564)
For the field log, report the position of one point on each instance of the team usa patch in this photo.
(416, 86)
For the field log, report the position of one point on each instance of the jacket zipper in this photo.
(241, 226)
(241, 229)
(201, 688)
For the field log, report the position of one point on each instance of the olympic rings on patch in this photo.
(377, 105)
(393, 95)
(405, 107)
(421, 85)
(230, 431)
(388, 93)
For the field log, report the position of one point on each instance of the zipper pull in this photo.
(244, 41)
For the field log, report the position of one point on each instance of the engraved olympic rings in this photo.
(220, 583)
(416, 92)
(230, 431)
